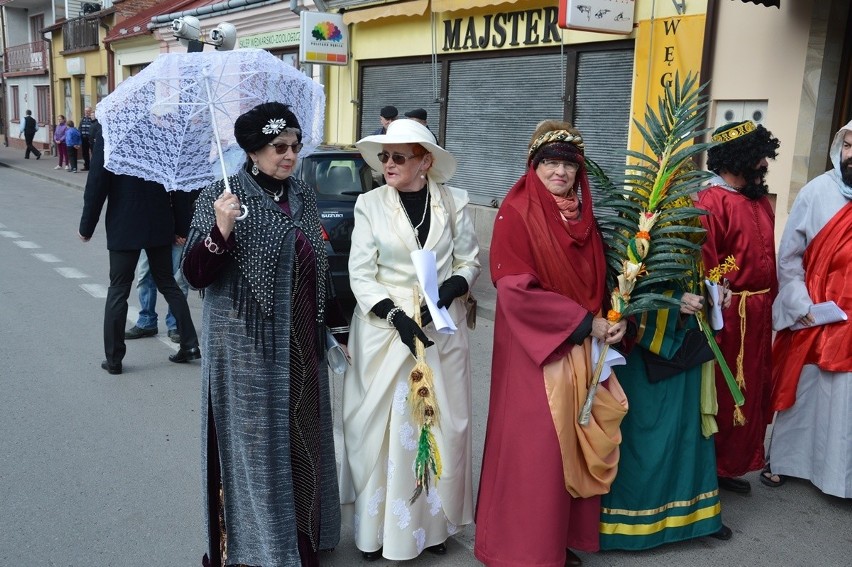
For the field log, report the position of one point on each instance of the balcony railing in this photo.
(28, 57)
(79, 34)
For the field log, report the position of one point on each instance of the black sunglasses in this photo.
(281, 149)
(398, 159)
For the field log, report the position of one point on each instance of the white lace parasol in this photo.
(173, 123)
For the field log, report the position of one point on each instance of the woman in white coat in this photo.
(413, 211)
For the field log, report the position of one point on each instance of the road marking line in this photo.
(49, 258)
(9, 234)
(71, 273)
(26, 244)
(95, 290)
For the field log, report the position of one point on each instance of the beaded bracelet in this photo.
(391, 314)
(213, 247)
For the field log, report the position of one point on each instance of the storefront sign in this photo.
(324, 39)
(608, 16)
(270, 40)
(664, 47)
(504, 29)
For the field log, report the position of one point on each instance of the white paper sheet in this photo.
(613, 358)
(427, 274)
(715, 292)
(823, 314)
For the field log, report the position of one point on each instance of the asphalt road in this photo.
(105, 470)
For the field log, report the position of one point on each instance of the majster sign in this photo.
(526, 27)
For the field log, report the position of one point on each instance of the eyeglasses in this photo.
(281, 149)
(398, 159)
(553, 164)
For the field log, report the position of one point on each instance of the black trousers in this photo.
(30, 147)
(72, 158)
(122, 268)
(87, 150)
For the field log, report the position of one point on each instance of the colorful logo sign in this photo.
(327, 31)
(325, 39)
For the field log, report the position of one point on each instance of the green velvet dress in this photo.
(666, 488)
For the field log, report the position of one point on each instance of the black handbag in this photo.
(694, 351)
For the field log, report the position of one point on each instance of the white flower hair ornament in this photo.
(274, 126)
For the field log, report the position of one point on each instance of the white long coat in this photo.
(379, 436)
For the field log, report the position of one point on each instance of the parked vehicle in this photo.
(339, 174)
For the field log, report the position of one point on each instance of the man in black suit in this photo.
(139, 216)
(28, 128)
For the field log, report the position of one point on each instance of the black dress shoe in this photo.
(571, 559)
(738, 485)
(440, 549)
(186, 354)
(135, 332)
(111, 368)
(372, 555)
(724, 534)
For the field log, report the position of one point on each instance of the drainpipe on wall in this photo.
(110, 63)
(709, 47)
(4, 99)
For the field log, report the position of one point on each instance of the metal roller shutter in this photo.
(406, 86)
(493, 107)
(602, 105)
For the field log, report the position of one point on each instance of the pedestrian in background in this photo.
(59, 141)
(812, 367)
(413, 211)
(268, 452)
(139, 217)
(548, 265)
(73, 142)
(29, 127)
(418, 114)
(741, 224)
(386, 115)
(85, 135)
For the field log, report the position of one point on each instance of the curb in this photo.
(42, 176)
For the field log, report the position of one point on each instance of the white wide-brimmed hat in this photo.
(407, 131)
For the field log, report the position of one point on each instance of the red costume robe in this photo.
(745, 229)
(525, 515)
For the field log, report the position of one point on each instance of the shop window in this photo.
(102, 88)
(68, 105)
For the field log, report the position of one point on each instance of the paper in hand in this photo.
(427, 274)
(613, 358)
(823, 314)
(715, 291)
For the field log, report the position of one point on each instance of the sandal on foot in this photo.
(767, 477)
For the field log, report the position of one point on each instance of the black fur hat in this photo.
(263, 123)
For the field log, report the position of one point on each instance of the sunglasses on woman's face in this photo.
(281, 148)
(398, 159)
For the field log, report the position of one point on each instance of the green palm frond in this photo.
(654, 190)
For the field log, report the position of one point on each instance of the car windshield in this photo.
(337, 176)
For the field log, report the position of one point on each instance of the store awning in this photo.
(776, 3)
(411, 8)
(453, 5)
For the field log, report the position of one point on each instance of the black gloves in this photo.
(453, 287)
(407, 327)
(408, 330)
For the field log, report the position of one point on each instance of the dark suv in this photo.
(339, 174)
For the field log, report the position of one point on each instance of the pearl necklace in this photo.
(277, 195)
(422, 219)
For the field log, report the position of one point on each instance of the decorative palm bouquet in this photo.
(424, 413)
(649, 225)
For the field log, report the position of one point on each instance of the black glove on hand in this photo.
(455, 286)
(408, 330)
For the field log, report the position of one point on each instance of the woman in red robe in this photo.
(542, 474)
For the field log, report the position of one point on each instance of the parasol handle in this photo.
(211, 107)
(586, 411)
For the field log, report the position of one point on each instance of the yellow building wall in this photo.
(95, 65)
(407, 36)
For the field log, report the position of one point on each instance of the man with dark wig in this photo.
(741, 223)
